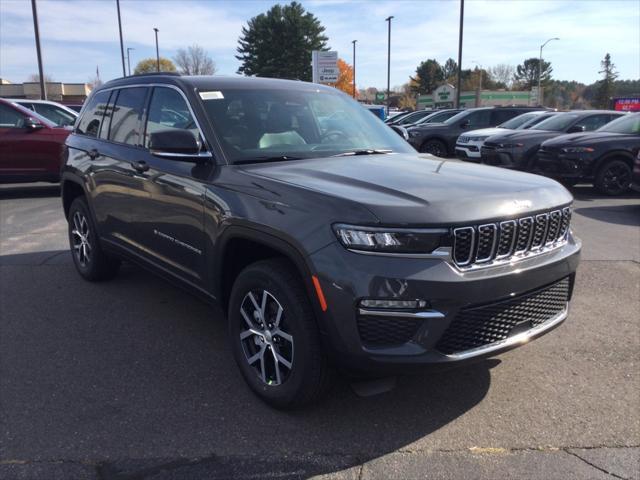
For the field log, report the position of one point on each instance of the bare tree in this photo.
(194, 61)
(503, 73)
(35, 78)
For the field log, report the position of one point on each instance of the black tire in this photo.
(434, 147)
(613, 177)
(91, 261)
(309, 374)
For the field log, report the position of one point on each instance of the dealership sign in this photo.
(325, 66)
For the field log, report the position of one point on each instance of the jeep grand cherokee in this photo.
(328, 240)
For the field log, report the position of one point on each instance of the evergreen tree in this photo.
(606, 88)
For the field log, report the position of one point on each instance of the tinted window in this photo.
(91, 120)
(501, 116)
(9, 118)
(127, 112)
(414, 117)
(57, 115)
(625, 124)
(519, 120)
(557, 123)
(594, 122)
(479, 118)
(168, 111)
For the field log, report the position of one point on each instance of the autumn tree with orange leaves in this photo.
(345, 79)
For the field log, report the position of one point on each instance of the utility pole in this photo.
(36, 29)
(354, 68)
(157, 51)
(388, 20)
(124, 72)
(540, 70)
(128, 59)
(459, 80)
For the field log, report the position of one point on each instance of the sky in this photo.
(79, 35)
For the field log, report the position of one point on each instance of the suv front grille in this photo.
(484, 244)
(386, 331)
(480, 326)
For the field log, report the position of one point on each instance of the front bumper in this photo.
(348, 277)
(498, 157)
(564, 166)
(468, 152)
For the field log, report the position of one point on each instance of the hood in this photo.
(524, 136)
(485, 132)
(413, 189)
(588, 139)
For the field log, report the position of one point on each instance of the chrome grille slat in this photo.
(492, 243)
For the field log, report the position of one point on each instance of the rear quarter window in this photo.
(92, 118)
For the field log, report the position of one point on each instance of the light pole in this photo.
(128, 59)
(157, 51)
(354, 68)
(36, 29)
(388, 20)
(459, 79)
(540, 69)
(124, 72)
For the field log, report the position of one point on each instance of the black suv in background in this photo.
(517, 150)
(604, 157)
(439, 139)
(324, 236)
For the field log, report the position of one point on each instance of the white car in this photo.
(56, 112)
(469, 144)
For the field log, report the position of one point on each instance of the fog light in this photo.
(393, 304)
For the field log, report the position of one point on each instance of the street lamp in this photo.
(540, 68)
(388, 19)
(157, 51)
(128, 59)
(354, 68)
(459, 79)
(36, 30)
(124, 72)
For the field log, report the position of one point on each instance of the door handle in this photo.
(140, 166)
(93, 154)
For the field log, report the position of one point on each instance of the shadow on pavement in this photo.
(136, 375)
(17, 191)
(619, 214)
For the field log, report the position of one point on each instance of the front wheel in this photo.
(434, 147)
(274, 336)
(613, 178)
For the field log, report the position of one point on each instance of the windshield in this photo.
(457, 116)
(627, 124)
(437, 117)
(557, 123)
(264, 124)
(414, 117)
(518, 121)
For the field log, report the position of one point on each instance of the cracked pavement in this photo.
(132, 379)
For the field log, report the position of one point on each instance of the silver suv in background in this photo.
(56, 112)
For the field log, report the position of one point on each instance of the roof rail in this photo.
(149, 74)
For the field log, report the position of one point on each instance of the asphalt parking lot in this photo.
(132, 379)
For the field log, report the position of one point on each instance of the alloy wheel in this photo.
(616, 178)
(267, 346)
(82, 248)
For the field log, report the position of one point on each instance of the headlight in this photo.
(511, 145)
(578, 150)
(389, 240)
(478, 139)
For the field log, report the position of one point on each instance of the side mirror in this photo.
(577, 129)
(176, 144)
(32, 124)
(400, 131)
(465, 124)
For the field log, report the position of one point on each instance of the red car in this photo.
(30, 146)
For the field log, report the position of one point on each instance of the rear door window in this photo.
(479, 118)
(9, 118)
(92, 119)
(594, 122)
(127, 114)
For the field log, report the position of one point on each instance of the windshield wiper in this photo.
(276, 158)
(363, 151)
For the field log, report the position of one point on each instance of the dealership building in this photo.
(445, 97)
(71, 93)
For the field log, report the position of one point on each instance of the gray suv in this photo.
(326, 238)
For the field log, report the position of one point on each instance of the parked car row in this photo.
(597, 146)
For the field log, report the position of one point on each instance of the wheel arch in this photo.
(623, 155)
(439, 138)
(71, 188)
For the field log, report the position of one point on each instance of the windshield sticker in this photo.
(211, 95)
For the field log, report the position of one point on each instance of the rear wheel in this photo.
(434, 147)
(274, 336)
(89, 258)
(613, 178)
